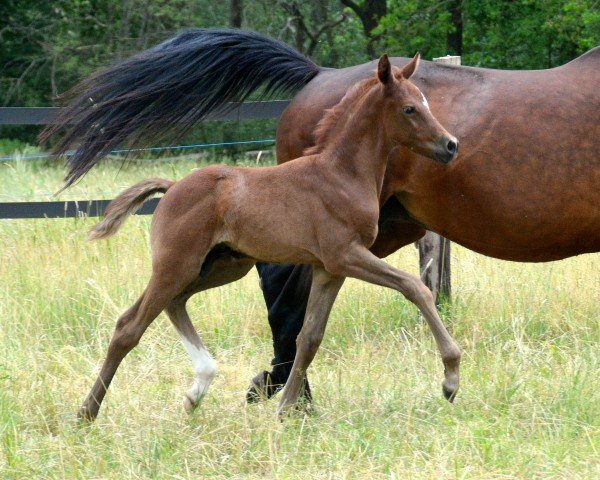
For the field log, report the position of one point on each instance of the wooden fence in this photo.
(92, 208)
(244, 111)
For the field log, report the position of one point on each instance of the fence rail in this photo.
(233, 112)
(65, 209)
(95, 208)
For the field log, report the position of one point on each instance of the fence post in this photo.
(434, 250)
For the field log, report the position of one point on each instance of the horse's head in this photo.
(407, 117)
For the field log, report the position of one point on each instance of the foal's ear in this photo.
(384, 70)
(411, 67)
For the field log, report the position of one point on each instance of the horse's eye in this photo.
(409, 110)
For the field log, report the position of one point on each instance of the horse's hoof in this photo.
(188, 405)
(261, 388)
(85, 415)
(449, 392)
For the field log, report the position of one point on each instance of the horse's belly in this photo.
(517, 234)
(526, 245)
(275, 250)
(512, 215)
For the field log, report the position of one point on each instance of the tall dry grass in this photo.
(528, 407)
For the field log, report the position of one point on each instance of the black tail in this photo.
(171, 87)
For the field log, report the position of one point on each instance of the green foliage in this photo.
(47, 47)
(9, 146)
(513, 34)
(548, 33)
(415, 25)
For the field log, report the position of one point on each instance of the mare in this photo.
(526, 186)
(211, 227)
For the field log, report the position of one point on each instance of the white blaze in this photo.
(425, 102)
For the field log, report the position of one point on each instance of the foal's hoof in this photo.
(86, 415)
(300, 409)
(449, 392)
(285, 412)
(189, 405)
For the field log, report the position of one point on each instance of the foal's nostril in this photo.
(452, 146)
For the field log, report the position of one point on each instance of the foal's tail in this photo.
(125, 204)
(171, 87)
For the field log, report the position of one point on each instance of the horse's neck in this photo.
(361, 148)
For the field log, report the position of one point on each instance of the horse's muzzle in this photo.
(447, 149)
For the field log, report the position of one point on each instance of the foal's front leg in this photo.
(362, 264)
(323, 291)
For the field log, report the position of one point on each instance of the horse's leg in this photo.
(323, 292)
(204, 364)
(128, 331)
(162, 288)
(222, 270)
(362, 264)
(285, 289)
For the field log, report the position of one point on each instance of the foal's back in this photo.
(235, 206)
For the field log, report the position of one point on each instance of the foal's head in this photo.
(406, 116)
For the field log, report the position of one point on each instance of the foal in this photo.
(321, 209)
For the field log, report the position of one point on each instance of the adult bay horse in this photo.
(211, 227)
(525, 187)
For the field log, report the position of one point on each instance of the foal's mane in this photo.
(324, 128)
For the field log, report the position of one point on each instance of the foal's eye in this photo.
(409, 110)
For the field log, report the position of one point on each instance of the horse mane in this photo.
(324, 128)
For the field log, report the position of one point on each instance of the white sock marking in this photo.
(206, 369)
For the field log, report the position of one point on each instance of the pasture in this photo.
(528, 407)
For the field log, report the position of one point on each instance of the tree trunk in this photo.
(370, 14)
(434, 265)
(235, 13)
(454, 36)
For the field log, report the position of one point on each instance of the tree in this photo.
(513, 34)
(312, 26)
(454, 37)
(47, 47)
(528, 34)
(370, 13)
(235, 13)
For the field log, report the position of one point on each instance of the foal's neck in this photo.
(361, 147)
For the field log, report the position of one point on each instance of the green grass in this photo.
(529, 404)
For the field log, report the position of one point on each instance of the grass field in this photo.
(529, 404)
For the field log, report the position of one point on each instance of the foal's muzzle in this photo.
(447, 149)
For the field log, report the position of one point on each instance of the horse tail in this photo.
(171, 87)
(125, 204)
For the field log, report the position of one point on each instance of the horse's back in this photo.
(525, 184)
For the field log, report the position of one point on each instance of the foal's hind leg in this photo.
(323, 292)
(217, 270)
(204, 364)
(161, 289)
(362, 264)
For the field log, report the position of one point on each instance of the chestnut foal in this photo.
(321, 209)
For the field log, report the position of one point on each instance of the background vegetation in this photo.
(46, 47)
